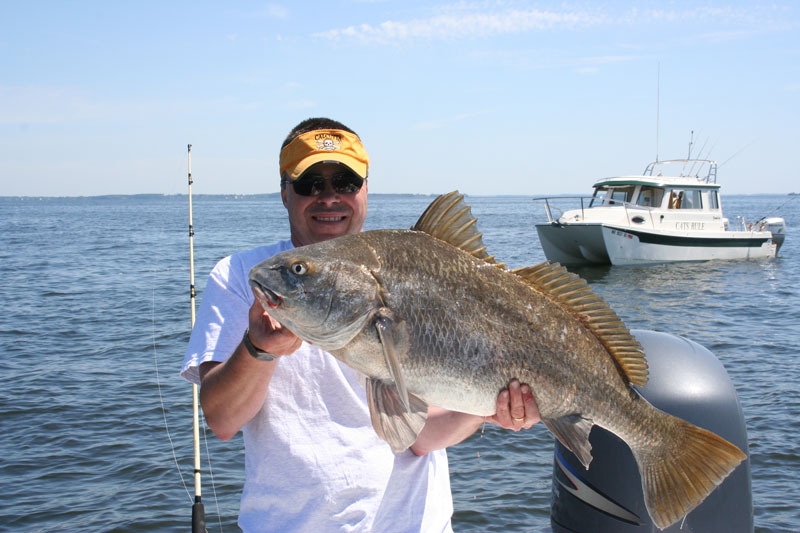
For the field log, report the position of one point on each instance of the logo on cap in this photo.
(327, 141)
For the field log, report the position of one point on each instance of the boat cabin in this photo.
(663, 194)
(655, 190)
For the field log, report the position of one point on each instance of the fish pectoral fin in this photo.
(396, 344)
(573, 432)
(393, 422)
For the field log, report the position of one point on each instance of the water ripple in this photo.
(91, 311)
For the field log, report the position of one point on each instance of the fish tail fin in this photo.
(677, 476)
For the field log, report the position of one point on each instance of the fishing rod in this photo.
(198, 511)
(699, 160)
(688, 157)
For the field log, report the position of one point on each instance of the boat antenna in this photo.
(658, 104)
(198, 511)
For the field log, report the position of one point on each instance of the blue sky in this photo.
(488, 97)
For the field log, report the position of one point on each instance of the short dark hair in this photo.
(315, 123)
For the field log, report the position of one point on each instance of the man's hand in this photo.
(232, 392)
(516, 408)
(268, 335)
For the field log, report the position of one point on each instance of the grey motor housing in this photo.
(688, 381)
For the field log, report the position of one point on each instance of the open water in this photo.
(96, 317)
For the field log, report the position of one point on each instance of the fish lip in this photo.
(269, 299)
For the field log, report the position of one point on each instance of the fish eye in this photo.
(299, 268)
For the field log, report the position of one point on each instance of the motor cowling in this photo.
(776, 226)
(688, 381)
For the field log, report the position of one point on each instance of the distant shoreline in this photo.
(231, 196)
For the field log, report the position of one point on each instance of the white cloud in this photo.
(462, 25)
(463, 21)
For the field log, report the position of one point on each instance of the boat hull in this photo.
(598, 243)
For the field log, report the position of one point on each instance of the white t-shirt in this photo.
(312, 460)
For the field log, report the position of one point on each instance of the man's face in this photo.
(327, 215)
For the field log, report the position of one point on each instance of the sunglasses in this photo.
(314, 184)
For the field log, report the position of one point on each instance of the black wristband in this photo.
(255, 352)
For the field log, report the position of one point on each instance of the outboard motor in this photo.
(776, 226)
(688, 381)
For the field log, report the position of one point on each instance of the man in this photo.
(312, 460)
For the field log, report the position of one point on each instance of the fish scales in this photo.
(431, 319)
(466, 314)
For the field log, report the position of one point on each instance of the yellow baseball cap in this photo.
(323, 146)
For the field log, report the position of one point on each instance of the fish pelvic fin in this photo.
(573, 432)
(395, 341)
(679, 475)
(575, 295)
(449, 218)
(393, 422)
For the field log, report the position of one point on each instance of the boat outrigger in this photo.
(655, 218)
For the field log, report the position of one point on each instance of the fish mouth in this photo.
(268, 298)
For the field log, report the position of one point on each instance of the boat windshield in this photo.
(612, 195)
(650, 196)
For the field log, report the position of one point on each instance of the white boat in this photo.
(656, 217)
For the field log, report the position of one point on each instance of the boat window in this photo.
(713, 200)
(618, 195)
(599, 197)
(675, 198)
(650, 196)
(691, 200)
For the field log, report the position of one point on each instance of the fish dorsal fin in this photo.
(449, 218)
(572, 291)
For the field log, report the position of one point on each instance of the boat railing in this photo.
(689, 167)
(546, 200)
(606, 202)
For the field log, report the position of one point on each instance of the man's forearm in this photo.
(232, 392)
(516, 409)
(445, 428)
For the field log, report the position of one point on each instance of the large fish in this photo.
(431, 319)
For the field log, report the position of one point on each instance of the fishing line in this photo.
(211, 474)
(160, 392)
(161, 399)
(166, 427)
(198, 512)
(748, 145)
(791, 199)
(699, 160)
